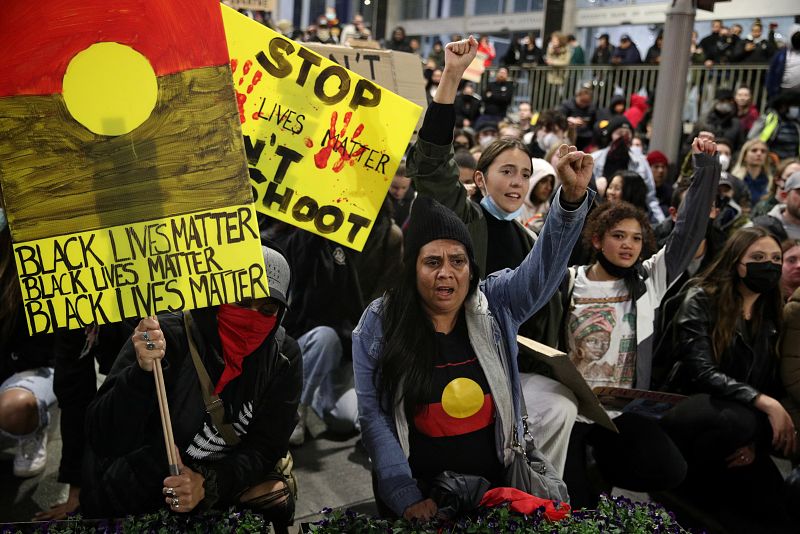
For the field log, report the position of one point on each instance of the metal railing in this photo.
(546, 87)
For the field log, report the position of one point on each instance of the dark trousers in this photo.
(708, 430)
(642, 457)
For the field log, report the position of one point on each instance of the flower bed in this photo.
(614, 515)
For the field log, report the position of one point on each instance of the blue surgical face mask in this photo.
(497, 212)
(3, 220)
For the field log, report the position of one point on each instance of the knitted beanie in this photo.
(430, 221)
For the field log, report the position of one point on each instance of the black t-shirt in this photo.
(455, 431)
(506, 247)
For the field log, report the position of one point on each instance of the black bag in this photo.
(457, 494)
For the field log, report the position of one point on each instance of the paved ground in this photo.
(331, 472)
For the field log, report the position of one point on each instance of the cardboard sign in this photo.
(322, 142)
(259, 5)
(400, 72)
(122, 163)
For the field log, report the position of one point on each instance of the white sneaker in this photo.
(298, 436)
(31, 455)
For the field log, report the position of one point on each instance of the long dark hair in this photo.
(405, 368)
(720, 281)
(634, 189)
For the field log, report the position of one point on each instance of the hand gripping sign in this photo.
(322, 142)
(121, 161)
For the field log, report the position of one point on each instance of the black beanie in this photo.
(430, 221)
(617, 122)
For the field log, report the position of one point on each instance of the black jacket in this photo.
(22, 351)
(602, 56)
(467, 107)
(497, 97)
(589, 114)
(125, 461)
(746, 368)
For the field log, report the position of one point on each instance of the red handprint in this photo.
(241, 98)
(335, 145)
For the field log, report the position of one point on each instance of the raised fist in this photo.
(575, 171)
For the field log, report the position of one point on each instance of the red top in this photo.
(39, 38)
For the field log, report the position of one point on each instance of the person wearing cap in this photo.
(486, 132)
(602, 54)
(788, 213)
(255, 369)
(619, 156)
(785, 170)
(659, 165)
(627, 53)
(435, 359)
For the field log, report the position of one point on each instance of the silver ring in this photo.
(145, 336)
(175, 502)
(169, 491)
(150, 345)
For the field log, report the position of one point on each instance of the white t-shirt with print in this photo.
(602, 332)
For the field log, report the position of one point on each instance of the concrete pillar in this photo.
(671, 86)
(568, 20)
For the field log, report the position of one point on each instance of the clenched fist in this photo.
(575, 171)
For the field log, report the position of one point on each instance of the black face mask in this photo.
(615, 270)
(762, 276)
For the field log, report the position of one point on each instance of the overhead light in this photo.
(367, 2)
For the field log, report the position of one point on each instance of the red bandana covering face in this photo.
(241, 331)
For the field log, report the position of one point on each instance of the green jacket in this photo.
(435, 174)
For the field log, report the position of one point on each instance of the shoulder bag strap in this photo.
(214, 406)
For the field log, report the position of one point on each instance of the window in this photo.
(415, 9)
(488, 7)
(457, 8)
(521, 6)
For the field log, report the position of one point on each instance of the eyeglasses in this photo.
(264, 306)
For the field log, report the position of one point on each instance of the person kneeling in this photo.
(230, 459)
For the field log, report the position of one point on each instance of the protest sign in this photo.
(322, 142)
(399, 72)
(146, 268)
(121, 161)
(260, 5)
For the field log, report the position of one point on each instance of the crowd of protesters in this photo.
(560, 225)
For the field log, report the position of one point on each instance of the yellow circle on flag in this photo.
(110, 88)
(461, 398)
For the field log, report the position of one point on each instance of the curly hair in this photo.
(605, 217)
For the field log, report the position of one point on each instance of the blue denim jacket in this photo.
(493, 313)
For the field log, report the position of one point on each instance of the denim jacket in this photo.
(493, 313)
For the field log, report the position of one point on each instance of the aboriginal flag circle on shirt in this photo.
(464, 403)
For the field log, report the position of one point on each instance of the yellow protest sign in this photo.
(165, 265)
(122, 163)
(322, 142)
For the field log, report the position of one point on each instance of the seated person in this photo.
(26, 371)
(609, 331)
(727, 331)
(257, 370)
